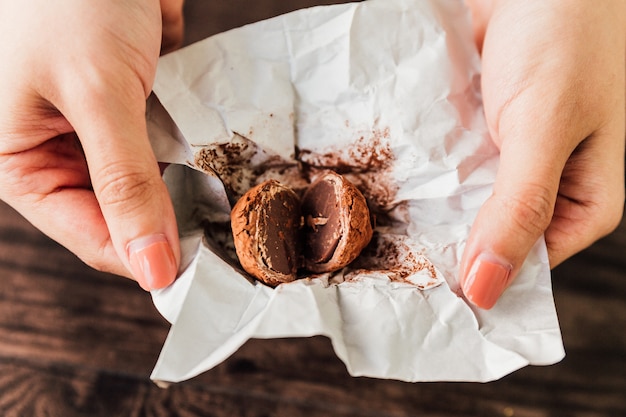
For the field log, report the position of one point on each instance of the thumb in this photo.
(511, 221)
(128, 186)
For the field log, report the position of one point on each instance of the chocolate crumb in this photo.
(238, 163)
(391, 255)
(367, 162)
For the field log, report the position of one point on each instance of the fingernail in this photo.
(486, 281)
(152, 262)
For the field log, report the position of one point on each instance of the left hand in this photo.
(75, 158)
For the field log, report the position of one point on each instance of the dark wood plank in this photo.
(79, 339)
(54, 308)
(75, 342)
(205, 18)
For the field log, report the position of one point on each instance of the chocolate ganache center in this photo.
(322, 222)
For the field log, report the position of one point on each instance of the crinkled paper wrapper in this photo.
(387, 93)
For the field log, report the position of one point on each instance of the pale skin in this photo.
(74, 153)
(554, 97)
(75, 158)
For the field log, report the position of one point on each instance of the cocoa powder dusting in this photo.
(392, 256)
(367, 153)
(367, 162)
(238, 163)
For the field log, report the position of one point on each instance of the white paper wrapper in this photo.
(387, 92)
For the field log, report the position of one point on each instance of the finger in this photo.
(590, 202)
(50, 186)
(505, 229)
(132, 197)
(534, 150)
(72, 217)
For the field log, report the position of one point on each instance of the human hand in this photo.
(554, 98)
(74, 153)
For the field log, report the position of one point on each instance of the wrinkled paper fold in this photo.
(387, 92)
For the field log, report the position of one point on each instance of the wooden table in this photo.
(75, 342)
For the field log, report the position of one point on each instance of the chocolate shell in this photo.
(337, 224)
(266, 226)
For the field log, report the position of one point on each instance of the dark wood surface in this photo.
(75, 342)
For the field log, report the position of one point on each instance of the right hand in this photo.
(554, 94)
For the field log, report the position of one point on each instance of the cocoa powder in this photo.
(239, 163)
(391, 255)
(367, 162)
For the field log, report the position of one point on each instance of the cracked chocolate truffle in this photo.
(266, 227)
(337, 224)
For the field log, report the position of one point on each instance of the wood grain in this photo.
(75, 342)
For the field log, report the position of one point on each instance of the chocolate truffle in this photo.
(266, 226)
(336, 223)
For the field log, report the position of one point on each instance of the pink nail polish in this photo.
(152, 262)
(486, 281)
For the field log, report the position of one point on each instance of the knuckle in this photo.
(531, 211)
(102, 258)
(94, 255)
(125, 188)
(609, 215)
(95, 262)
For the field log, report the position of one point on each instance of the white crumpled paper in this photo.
(387, 91)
